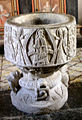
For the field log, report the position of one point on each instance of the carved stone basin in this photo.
(40, 45)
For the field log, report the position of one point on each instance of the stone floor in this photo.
(72, 109)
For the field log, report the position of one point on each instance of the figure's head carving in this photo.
(39, 49)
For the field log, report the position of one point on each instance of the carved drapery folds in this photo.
(41, 51)
(40, 47)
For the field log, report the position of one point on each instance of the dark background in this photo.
(25, 6)
(72, 8)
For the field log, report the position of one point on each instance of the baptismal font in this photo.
(40, 45)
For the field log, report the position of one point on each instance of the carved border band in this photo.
(40, 47)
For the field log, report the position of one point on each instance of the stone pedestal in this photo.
(40, 45)
(41, 92)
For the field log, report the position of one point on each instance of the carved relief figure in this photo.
(62, 45)
(41, 48)
(41, 52)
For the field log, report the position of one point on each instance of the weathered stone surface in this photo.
(42, 94)
(39, 40)
(40, 45)
(73, 111)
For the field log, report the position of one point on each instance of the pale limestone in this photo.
(40, 45)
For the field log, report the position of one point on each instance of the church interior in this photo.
(72, 109)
